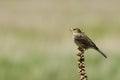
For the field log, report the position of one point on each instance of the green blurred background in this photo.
(36, 42)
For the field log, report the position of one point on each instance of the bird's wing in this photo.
(89, 41)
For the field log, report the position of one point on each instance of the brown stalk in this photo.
(81, 65)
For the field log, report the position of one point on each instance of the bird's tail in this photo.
(101, 52)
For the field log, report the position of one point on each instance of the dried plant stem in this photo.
(81, 65)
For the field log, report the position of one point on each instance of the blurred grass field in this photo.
(36, 42)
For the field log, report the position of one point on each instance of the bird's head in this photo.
(76, 30)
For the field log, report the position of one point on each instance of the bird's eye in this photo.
(74, 29)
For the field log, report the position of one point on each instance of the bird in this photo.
(83, 41)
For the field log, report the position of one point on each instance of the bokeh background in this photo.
(36, 42)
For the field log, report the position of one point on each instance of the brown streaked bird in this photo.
(83, 41)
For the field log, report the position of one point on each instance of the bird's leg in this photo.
(81, 49)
